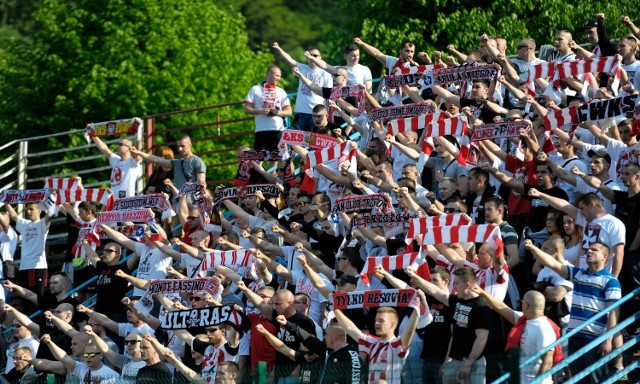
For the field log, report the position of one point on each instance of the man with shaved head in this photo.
(343, 360)
(281, 304)
(532, 332)
(125, 168)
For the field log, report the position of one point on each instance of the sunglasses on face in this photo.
(191, 217)
(195, 298)
(307, 353)
(452, 210)
(131, 342)
(301, 203)
(212, 330)
(91, 354)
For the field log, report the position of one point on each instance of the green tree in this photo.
(95, 61)
(432, 24)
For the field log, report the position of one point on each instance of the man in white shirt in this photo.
(125, 168)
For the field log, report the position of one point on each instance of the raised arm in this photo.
(99, 318)
(161, 161)
(264, 307)
(136, 282)
(103, 347)
(510, 182)
(119, 237)
(61, 324)
(23, 292)
(190, 374)
(546, 259)
(276, 343)
(556, 202)
(495, 304)
(315, 88)
(276, 267)
(285, 56)
(445, 94)
(410, 329)
(59, 353)
(102, 147)
(429, 288)
(315, 279)
(22, 319)
(372, 51)
(378, 240)
(348, 325)
(594, 182)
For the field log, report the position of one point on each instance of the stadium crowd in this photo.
(473, 203)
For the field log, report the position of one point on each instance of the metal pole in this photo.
(23, 150)
(150, 148)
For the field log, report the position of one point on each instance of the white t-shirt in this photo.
(632, 70)
(306, 99)
(358, 74)
(280, 100)
(124, 175)
(552, 277)
(567, 165)
(29, 342)
(191, 264)
(538, 333)
(129, 368)
(34, 236)
(584, 188)
(304, 285)
(8, 244)
(153, 265)
(104, 375)
(607, 230)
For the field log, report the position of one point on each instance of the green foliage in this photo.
(95, 61)
(432, 24)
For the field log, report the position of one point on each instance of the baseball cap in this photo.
(599, 153)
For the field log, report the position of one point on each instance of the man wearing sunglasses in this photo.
(128, 365)
(125, 166)
(90, 371)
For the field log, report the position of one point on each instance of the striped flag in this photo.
(413, 123)
(421, 225)
(476, 233)
(100, 195)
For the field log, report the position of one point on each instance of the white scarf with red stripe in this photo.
(97, 195)
(344, 153)
(115, 128)
(608, 64)
(375, 298)
(376, 203)
(134, 215)
(414, 123)
(23, 196)
(155, 200)
(456, 126)
(242, 257)
(63, 183)
(464, 73)
(421, 225)
(475, 233)
(164, 286)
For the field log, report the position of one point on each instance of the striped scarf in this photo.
(421, 225)
(476, 233)
(98, 195)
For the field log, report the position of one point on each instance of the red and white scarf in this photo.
(561, 117)
(263, 155)
(97, 195)
(308, 139)
(373, 219)
(156, 200)
(421, 225)
(456, 126)
(63, 183)
(242, 257)
(608, 64)
(498, 130)
(476, 233)
(414, 123)
(241, 191)
(134, 215)
(115, 128)
(464, 73)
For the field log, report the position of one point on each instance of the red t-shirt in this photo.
(524, 171)
(261, 350)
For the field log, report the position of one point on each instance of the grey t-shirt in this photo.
(186, 170)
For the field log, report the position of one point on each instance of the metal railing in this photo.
(567, 360)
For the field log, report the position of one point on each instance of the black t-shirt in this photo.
(344, 366)
(13, 376)
(110, 289)
(284, 365)
(48, 303)
(628, 211)
(157, 373)
(438, 332)
(309, 372)
(478, 110)
(468, 316)
(539, 207)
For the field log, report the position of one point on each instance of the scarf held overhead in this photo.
(207, 317)
(398, 111)
(263, 155)
(156, 200)
(242, 191)
(368, 219)
(242, 257)
(476, 233)
(115, 128)
(25, 196)
(421, 225)
(498, 130)
(307, 139)
(376, 203)
(98, 195)
(374, 299)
